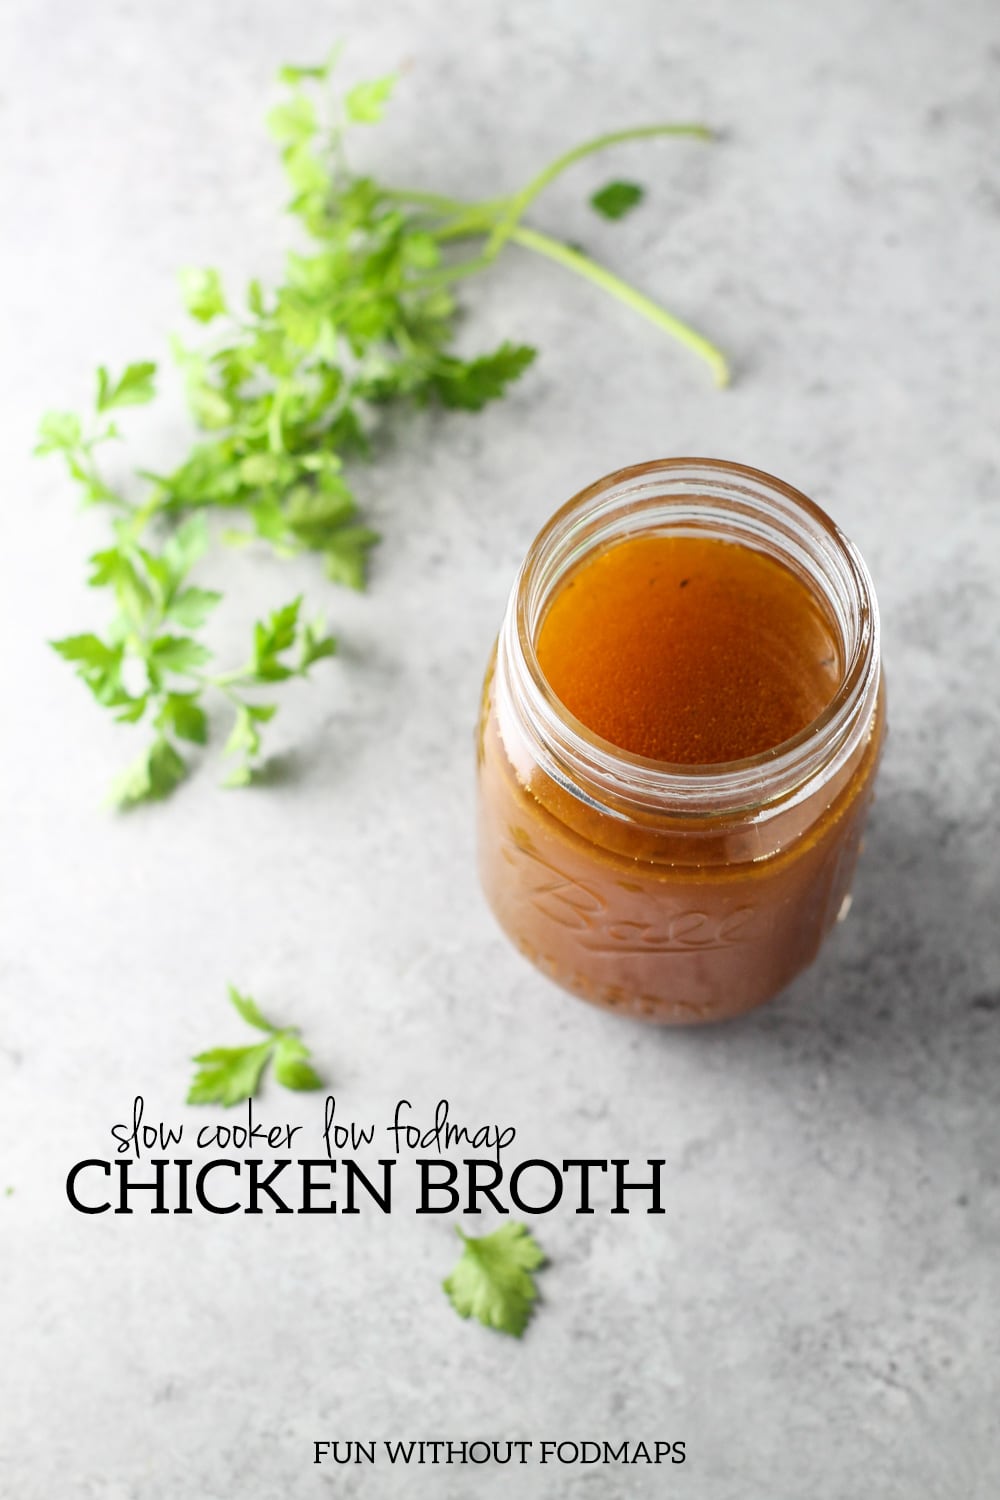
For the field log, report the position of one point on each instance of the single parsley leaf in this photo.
(154, 774)
(273, 637)
(185, 546)
(294, 120)
(59, 432)
(203, 294)
(184, 716)
(92, 654)
(470, 384)
(290, 73)
(250, 1011)
(135, 387)
(346, 555)
(365, 103)
(315, 644)
(316, 73)
(228, 1075)
(244, 740)
(617, 199)
(192, 607)
(179, 653)
(291, 1068)
(493, 1281)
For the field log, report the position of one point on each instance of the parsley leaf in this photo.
(59, 431)
(228, 1075)
(493, 1281)
(154, 774)
(248, 1008)
(617, 199)
(290, 1066)
(471, 385)
(134, 388)
(203, 294)
(365, 103)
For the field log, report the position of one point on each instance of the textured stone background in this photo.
(817, 1313)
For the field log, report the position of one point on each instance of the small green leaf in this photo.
(135, 387)
(470, 384)
(290, 73)
(305, 171)
(98, 665)
(617, 199)
(260, 468)
(209, 406)
(365, 103)
(421, 250)
(282, 624)
(202, 292)
(133, 710)
(346, 555)
(179, 653)
(269, 523)
(314, 511)
(116, 569)
(58, 431)
(181, 714)
(250, 1011)
(315, 644)
(294, 120)
(186, 546)
(228, 1075)
(167, 769)
(290, 1067)
(243, 736)
(89, 650)
(272, 638)
(493, 1280)
(192, 607)
(153, 775)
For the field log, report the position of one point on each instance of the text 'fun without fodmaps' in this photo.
(563, 1451)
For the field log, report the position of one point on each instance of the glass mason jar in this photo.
(676, 893)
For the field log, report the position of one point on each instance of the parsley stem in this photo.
(225, 681)
(573, 260)
(442, 205)
(455, 272)
(519, 202)
(499, 220)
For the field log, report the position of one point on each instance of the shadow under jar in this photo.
(679, 892)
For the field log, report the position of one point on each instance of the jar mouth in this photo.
(695, 496)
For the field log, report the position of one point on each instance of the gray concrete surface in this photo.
(816, 1314)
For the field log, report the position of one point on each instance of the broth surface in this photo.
(688, 649)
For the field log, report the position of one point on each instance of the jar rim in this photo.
(619, 779)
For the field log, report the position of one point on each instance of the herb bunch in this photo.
(286, 396)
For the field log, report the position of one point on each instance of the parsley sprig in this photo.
(287, 390)
(228, 1075)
